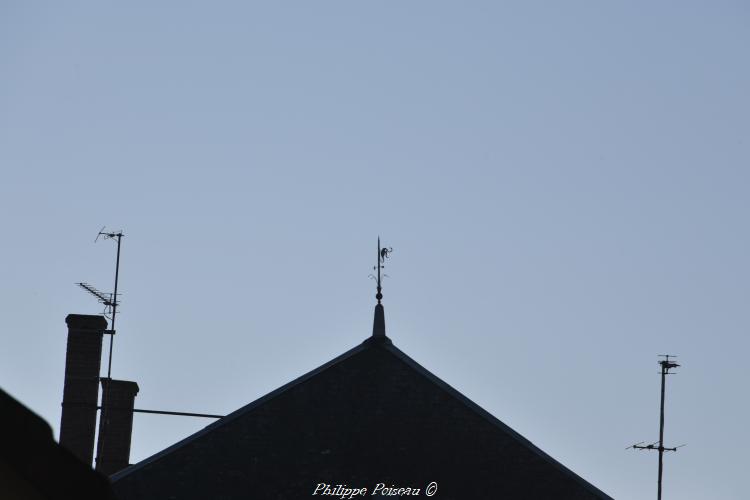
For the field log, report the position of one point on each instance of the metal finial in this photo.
(383, 253)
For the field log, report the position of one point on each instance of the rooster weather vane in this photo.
(383, 253)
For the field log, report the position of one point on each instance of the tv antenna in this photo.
(108, 299)
(666, 364)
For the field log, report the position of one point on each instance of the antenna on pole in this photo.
(108, 299)
(666, 364)
(110, 310)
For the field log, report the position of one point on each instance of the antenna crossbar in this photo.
(106, 299)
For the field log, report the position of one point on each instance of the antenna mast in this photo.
(117, 235)
(110, 305)
(666, 365)
(108, 299)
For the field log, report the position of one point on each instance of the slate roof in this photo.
(372, 415)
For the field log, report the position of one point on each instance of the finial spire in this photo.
(383, 253)
(378, 327)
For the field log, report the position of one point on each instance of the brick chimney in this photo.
(115, 425)
(81, 390)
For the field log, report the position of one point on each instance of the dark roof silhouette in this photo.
(372, 415)
(34, 467)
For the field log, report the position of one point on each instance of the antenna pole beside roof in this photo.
(666, 364)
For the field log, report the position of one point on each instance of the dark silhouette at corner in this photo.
(34, 467)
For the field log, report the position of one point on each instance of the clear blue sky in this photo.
(565, 186)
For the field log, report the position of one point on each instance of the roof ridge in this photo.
(401, 355)
(248, 407)
(370, 343)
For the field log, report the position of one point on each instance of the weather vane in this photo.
(383, 253)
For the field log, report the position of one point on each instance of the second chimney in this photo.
(115, 425)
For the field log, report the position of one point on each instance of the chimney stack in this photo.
(81, 390)
(115, 425)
